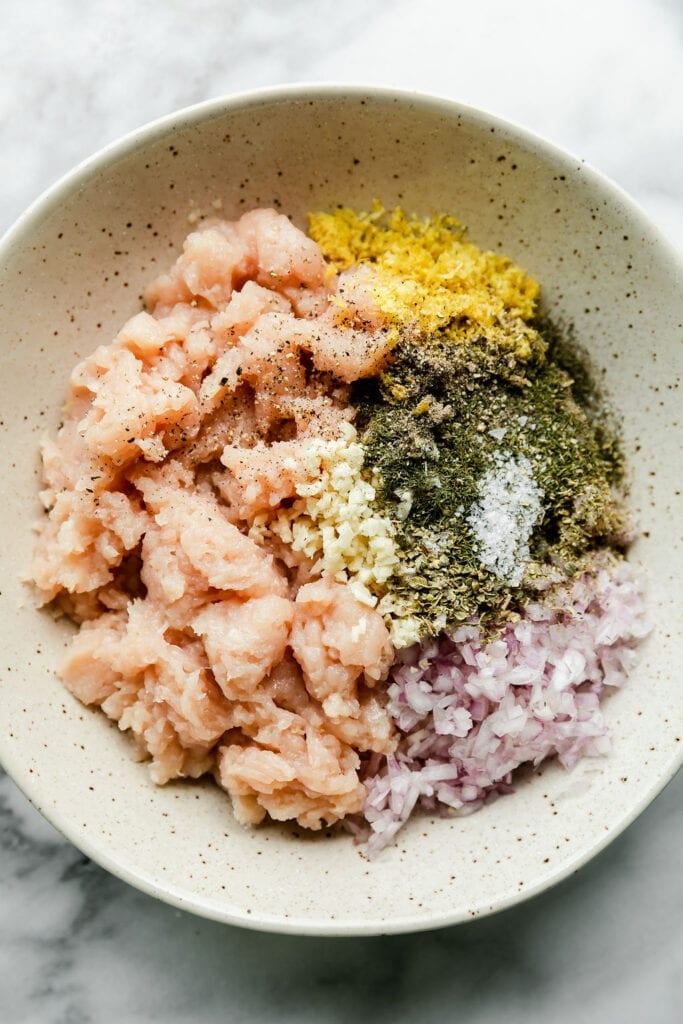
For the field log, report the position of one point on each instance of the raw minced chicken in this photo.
(196, 423)
(303, 455)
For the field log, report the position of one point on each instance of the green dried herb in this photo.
(431, 427)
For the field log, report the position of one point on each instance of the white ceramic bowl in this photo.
(72, 269)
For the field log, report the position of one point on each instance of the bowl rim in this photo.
(150, 132)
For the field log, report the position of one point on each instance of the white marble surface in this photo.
(604, 79)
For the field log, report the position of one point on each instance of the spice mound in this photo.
(341, 520)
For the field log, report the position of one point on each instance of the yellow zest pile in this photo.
(427, 276)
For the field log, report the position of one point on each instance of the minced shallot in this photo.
(470, 712)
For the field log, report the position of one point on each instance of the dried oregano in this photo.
(433, 426)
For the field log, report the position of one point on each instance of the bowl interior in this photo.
(73, 269)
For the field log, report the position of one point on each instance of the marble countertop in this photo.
(79, 946)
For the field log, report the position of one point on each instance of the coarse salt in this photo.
(502, 520)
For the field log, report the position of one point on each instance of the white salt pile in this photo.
(510, 504)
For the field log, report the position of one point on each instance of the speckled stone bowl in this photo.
(72, 269)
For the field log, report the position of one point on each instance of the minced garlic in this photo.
(334, 521)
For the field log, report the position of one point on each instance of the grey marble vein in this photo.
(77, 945)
